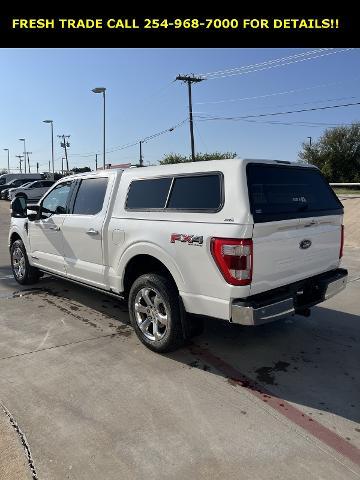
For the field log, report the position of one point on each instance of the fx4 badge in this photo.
(185, 238)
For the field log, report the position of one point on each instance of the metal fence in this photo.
(345, 184)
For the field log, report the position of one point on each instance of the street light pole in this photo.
(141, 163)
(310, 141)
(52, 143)
(102, 90)
(23, 140)
(8, 153)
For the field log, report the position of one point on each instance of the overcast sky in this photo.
(142, 99)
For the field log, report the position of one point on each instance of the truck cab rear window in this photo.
(279, 193)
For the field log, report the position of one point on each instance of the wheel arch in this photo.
(143, 257)
(141, 264)
(13, 237)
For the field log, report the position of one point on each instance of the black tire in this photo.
(196, 325)
(24, 274)
(159, 303)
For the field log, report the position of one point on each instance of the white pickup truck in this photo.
(247, 241)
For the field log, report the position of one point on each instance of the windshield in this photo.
(29, 184)
(281, 192)
(24, 185)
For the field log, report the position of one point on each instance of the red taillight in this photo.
(234, 257)
(341, 242)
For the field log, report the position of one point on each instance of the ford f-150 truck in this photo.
(246, 241)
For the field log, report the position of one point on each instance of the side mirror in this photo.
(18, 208)
(34, 212)
(60, 210)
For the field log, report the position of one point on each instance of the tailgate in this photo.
(292, 250)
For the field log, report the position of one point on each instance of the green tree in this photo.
(199, 157)
(80, 169)
(336, 153)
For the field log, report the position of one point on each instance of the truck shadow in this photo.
(312, 362)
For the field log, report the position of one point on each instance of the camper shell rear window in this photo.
(278, 192)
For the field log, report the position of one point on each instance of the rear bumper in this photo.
(288, 300)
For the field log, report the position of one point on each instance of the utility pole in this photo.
(96, 162)
(141, 156)
(23, 140)
(62, 165)
(310, 141)
(65, 144)
(49, 166)
(189, 80)
(28, 160)
(20, 157)
(37, 167)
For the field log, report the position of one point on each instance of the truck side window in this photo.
(150, 193)
(200, 192)
(56, 200)
(90, 196)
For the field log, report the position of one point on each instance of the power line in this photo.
(267, 65)
(286, 92)
(136, 142)
(301, 103)
(298, 124)
(213, 117)
(267, 62)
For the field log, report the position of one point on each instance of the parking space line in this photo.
(295, 415)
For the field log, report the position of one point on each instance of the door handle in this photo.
(56, 228)
(92, 231)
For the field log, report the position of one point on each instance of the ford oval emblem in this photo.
(304, 244)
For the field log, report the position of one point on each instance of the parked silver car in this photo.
(33, 191)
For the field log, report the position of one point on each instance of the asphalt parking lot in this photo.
(90, 402)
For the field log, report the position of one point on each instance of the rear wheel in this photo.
(23, 272)
(155, 312)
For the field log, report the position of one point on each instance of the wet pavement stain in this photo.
(124, 330)
(266, 374)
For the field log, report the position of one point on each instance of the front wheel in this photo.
(23, 272)
(155, 312)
